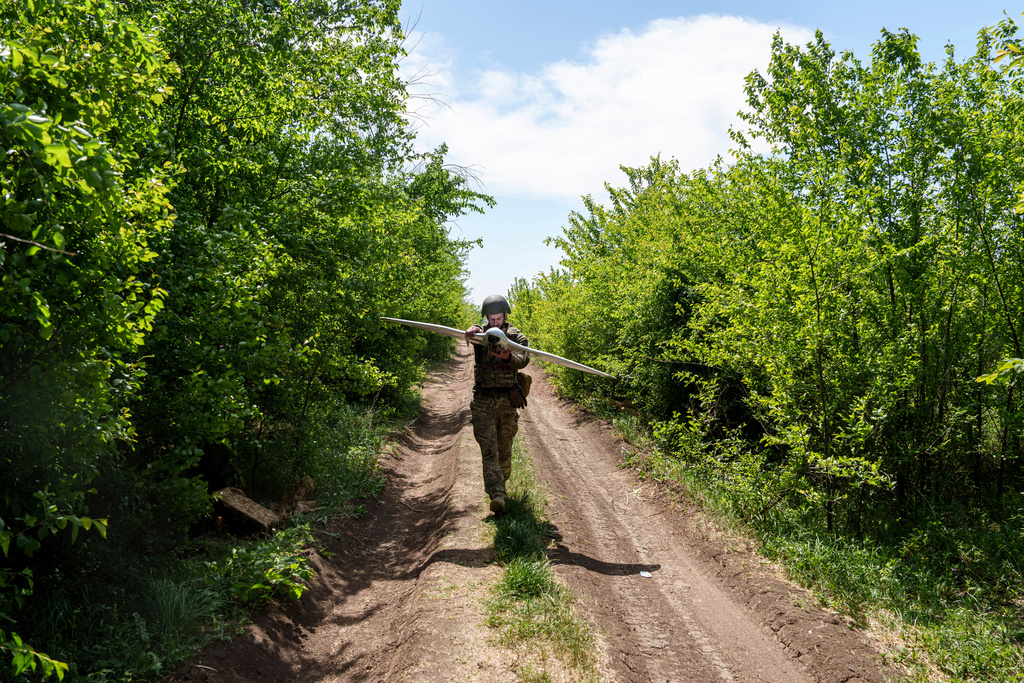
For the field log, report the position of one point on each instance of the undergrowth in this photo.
(531, 611)
(947, 599)
(125, 616)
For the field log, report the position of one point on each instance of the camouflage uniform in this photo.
(495, 419)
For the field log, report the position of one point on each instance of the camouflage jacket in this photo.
(491, 372)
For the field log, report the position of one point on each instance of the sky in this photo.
(542, 101)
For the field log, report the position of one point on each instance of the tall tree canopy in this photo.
(812, 320)
(206, 206)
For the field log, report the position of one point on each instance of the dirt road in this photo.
(398, 595)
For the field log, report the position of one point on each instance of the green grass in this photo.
(180, 610)
(530, 610)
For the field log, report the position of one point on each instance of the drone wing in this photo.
(440, 329)
(544, 355)
(504, 341)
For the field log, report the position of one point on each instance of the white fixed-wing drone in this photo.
(494, 337)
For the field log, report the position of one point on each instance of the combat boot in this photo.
(498, 504)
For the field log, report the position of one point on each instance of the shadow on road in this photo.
(562, 555)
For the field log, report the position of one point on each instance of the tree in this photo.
(80, 84)
(207, 205)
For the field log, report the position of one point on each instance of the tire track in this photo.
(696, 618)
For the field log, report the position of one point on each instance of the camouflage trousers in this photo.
(495, 423)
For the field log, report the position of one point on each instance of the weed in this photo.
(270, 569)
(342, 459)
(518, 538)
(524, 579)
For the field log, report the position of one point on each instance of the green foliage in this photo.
(815, 315)
(148, 617)
(25, 659)
(275, 568)
(802, 329)
(79, 86)
(342, 459)
(1006, 371)
(206, 206)
(301, 217)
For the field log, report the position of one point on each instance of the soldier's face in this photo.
(496, 320)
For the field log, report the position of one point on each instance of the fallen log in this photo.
(245, 512)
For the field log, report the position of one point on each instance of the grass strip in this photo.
(530, 610)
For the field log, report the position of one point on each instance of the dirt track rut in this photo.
(705, 613)
(398, 597)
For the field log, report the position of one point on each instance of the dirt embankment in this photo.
(398, 594)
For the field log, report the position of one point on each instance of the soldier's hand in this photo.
(473, 329)
(504, 355)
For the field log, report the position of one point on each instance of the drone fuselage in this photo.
(496, 340)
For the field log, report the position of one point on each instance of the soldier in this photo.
(495, 417)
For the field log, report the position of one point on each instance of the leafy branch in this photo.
(37, 244)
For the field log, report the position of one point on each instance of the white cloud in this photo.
(672, 89)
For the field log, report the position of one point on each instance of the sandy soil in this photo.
(398, 594)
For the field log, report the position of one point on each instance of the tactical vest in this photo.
(487, 376)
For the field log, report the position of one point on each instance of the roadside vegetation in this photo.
(820, 338)
(159, 614)
(205, 206)
(529, 608)
(911, 596)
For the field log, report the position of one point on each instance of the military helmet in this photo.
(495, 304)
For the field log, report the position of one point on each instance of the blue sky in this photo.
(544, 101)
